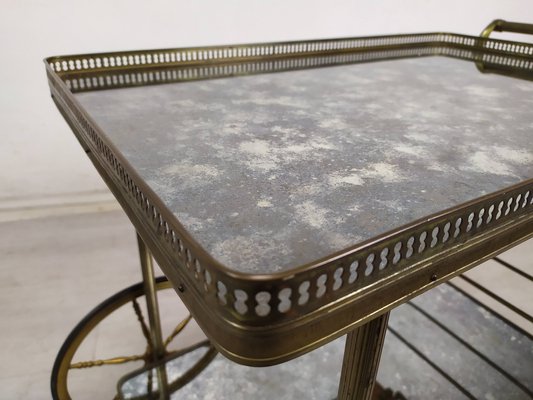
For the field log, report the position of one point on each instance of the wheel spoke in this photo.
(141, 320)
(176, 331)
(65, 364)
(108, 361)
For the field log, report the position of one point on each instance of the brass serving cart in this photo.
(289, 209)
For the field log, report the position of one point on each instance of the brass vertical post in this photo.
(361, 359)
(156, 335)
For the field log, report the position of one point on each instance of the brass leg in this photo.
(361, 359)
(156, 336)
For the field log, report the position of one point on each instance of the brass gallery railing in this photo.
(111, 70)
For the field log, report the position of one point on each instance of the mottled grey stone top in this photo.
(272, 171)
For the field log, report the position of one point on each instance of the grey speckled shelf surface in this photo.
(269, 172)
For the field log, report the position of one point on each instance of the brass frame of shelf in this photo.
(331, 296)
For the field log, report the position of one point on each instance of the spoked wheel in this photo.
(64, 366)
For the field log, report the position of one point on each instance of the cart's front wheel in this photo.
(68, 362)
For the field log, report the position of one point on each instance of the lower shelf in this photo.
(440, 345)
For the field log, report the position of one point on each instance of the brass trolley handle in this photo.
(499, 25)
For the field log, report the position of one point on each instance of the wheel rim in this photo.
(63, 362)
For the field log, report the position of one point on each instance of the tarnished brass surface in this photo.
(485, 226)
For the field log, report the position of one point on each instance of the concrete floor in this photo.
(55, 269)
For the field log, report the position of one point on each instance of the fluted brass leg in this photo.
(361, 359)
